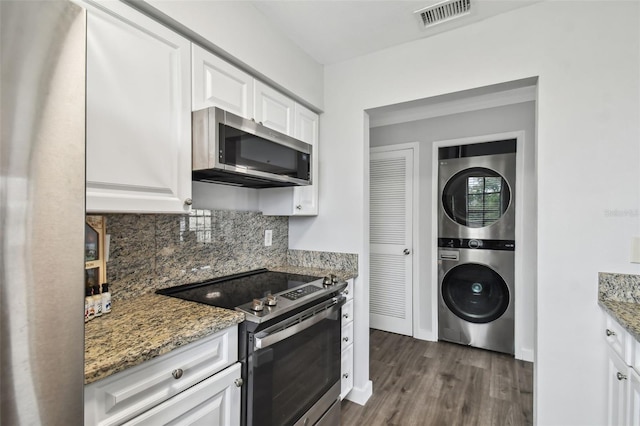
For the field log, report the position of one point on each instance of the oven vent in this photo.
(443, 12)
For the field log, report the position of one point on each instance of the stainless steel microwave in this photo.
(232, 150)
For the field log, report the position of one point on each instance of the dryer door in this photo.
(475, 293)
(476, 197)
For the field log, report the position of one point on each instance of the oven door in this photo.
(294, 367)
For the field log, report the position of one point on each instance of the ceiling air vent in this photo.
(443, 12)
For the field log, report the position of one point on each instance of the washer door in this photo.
(475, 293)
(476, 197)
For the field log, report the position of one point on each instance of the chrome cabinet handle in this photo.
(346, 315)
(346, 339)
(188, 201)
(621, 376)
(406, 251)
(238, 382)
(345, 375)
(345, 291)
(299, 207)
(177, 373)
(610, 333)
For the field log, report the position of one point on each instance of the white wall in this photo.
(242, 31)
(586, 55)
(487, 121)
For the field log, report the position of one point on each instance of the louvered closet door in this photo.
(391, 249)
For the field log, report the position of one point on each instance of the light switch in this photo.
(268, 237)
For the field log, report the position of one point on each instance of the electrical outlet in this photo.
(268, 237)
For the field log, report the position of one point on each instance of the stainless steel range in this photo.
(289, 345)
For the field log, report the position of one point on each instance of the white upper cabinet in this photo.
(273, 109)
(305, 198)
(298, 200)
(216, 83)
(138, 113)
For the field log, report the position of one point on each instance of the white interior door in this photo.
(391, 242)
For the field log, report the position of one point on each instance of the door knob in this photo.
(407, 251)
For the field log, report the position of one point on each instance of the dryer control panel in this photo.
(509, 245)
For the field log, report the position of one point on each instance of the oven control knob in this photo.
(257, 305)
(271, 300)
(330, 280)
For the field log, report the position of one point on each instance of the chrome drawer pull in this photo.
(238, 382)
(621, 376)
(346, 315)
(610, 333)
(346, 339)
(177, 373)
(345, 375)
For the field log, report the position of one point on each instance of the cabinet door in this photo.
(633, 416)
(305, 198)
(298, 200)
(346, 372)
(214, 401)
(617, 392)
(273, 109)
(138, 113)
(216, 83)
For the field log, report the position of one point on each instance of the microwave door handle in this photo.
(270, 339)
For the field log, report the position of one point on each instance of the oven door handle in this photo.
(266, 339)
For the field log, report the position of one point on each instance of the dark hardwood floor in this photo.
(438, 383)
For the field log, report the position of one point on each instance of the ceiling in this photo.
(332, 31)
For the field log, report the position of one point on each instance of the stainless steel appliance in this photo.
(476, 293)
(235, 151)
(42, 169)
(476, 184)
(289, 344)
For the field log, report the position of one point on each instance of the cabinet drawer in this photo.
(346, 372)
(128, 393)
(347, 335)
(347, 312)
(618, 339)
(214, 401)
(348, 292)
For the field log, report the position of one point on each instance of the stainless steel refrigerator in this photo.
(42, 208)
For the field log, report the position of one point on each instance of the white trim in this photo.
(361, 395)
(467, 104)
(520, 352)
(416, 241)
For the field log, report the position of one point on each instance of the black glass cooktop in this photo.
(235, 290)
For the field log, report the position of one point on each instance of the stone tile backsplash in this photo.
(148, 252)
(346, 262)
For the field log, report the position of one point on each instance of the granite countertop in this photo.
(619, 296)
(141, 328)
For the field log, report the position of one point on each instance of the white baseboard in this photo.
(361, 395)
(525, 355)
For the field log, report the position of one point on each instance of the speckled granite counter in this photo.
(619, 296)
(142, 328)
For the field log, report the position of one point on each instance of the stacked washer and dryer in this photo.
(476, 243)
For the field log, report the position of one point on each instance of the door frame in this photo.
(519, 135)
(416, 241)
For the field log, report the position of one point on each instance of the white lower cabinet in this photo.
(617, 393)
(198, 379)
(634, 397)
(214, 401)
(623, 381)
(346, 364)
